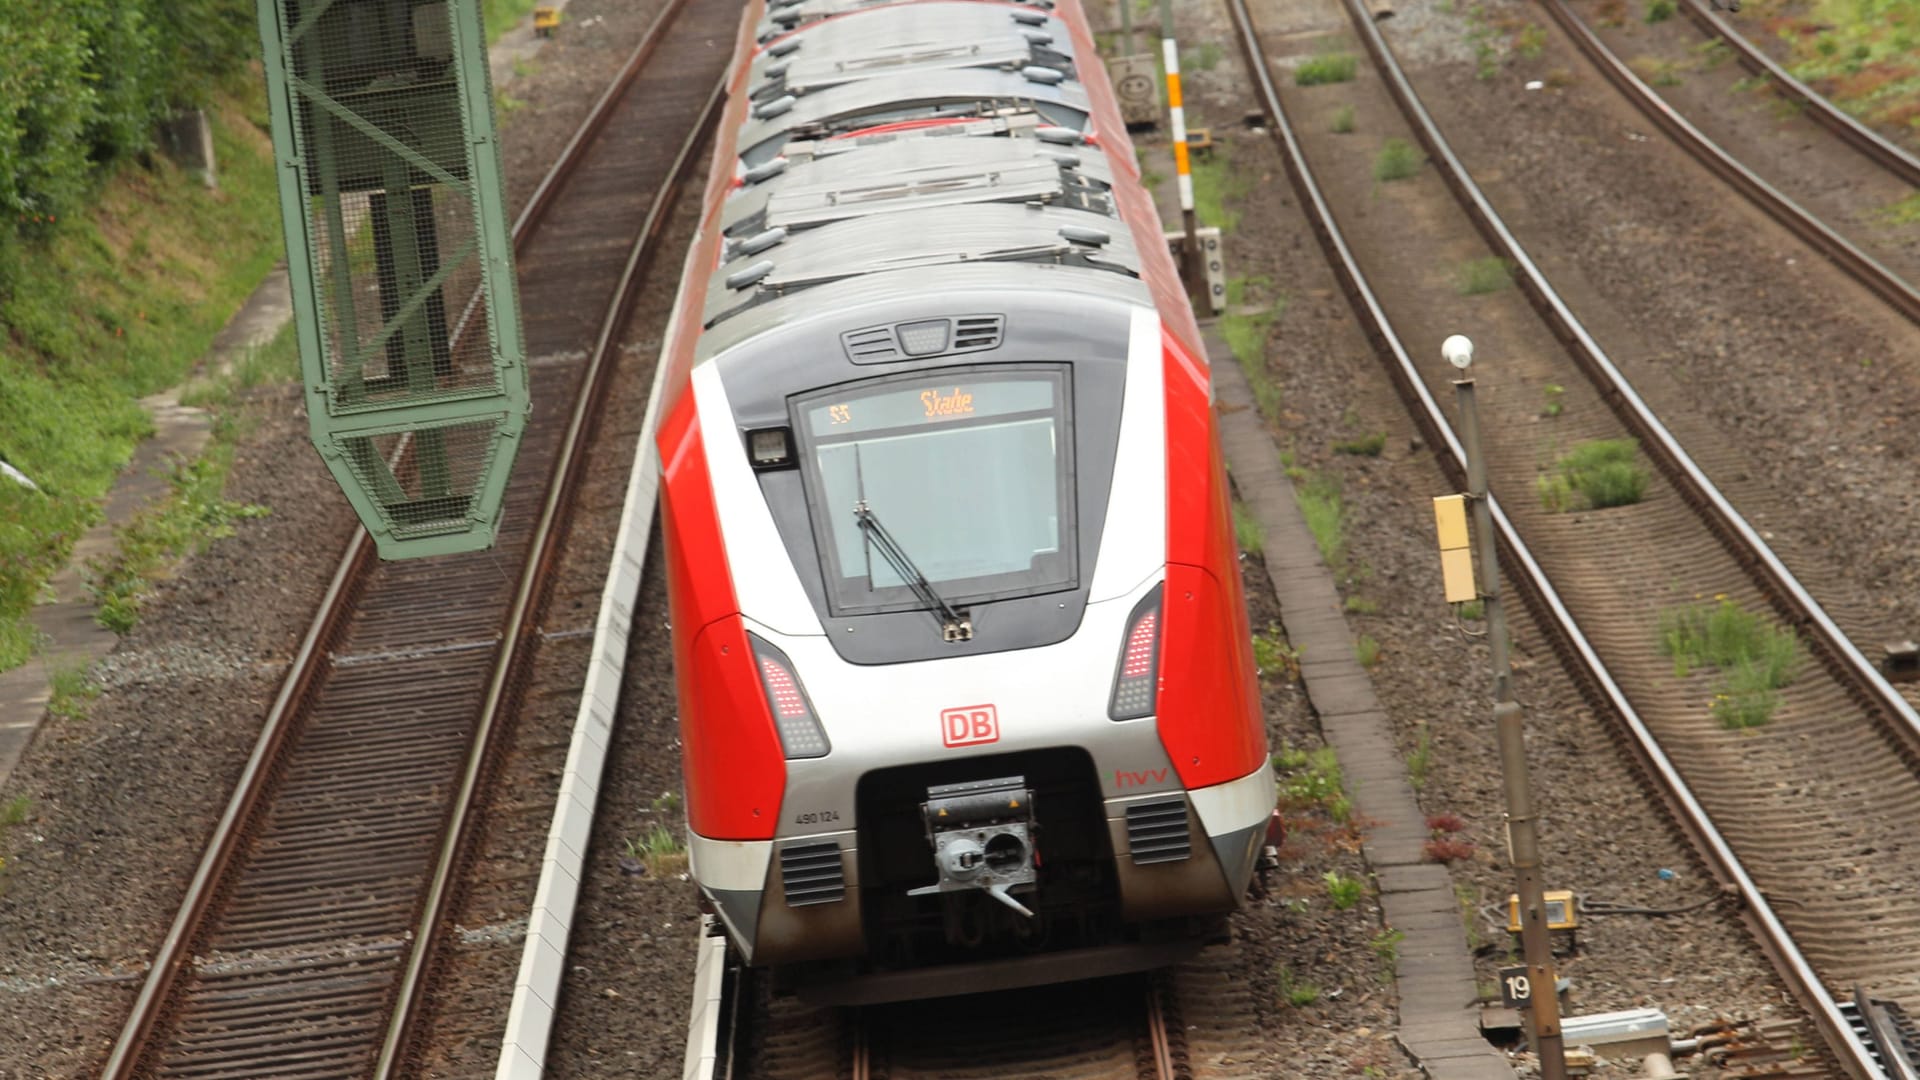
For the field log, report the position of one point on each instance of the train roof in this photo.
(914, 240)
(783, 16)
(919, 37)
(919, 173)
(850, 107)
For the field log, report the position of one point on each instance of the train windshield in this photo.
(969, 471)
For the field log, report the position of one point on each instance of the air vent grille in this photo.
(975, 333)
(882, 344)
(873, 345)
(811, 874)
(1157, 831)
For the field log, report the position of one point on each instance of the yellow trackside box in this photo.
(1456, 553)
(545, 19)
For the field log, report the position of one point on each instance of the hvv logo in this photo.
(970, 725)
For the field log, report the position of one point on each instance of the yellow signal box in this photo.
(1456, 550)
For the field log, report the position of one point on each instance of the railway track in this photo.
(1112, 1029)
(1865, 268)
(1804, 819)
(306, 943)
(1869, 142)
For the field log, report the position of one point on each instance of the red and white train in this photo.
(966, 691)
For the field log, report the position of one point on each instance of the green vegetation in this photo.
(15, 812)
(1342, 122)
(1421, 759)
(1216, 186)
(1469, 898)
(501, 15)
(667, 802)
(1712, 53)
(1365, 446)
(1299, 995)
(1386, 946)
(82, 89)
(1859, 53)
(1906, 211)
(1472, 611)
(1204, 58)
(187, 522)
(1310, 779)
(1603, 472)
(1755, 657)
(122, 303)
(1398, 160)
(71, 693)
(1343, 891)
(1274, 656)
(1479, 276)
(1320, 502)
(1530, 42)
(1656, 71)
(660, 851)
(1246, 335)
(1658, 11)
(1326, 67)
(1555, 396)
(1246, 530)
(1360, 605)
(1366, 650)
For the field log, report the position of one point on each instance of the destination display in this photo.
(942, 402)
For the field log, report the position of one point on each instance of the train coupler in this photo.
(982, 834)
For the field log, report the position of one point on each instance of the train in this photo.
(966, 692)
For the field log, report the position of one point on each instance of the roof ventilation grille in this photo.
(976, 333)
(873, 345)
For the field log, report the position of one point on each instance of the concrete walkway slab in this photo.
(1435, 973)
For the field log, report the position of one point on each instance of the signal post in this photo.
(1535, 992)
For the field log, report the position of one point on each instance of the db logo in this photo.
(969, 725)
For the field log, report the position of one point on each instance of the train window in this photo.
(969, 470)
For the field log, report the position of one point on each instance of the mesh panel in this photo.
(394, 208)
(425, 479)
(389, 200)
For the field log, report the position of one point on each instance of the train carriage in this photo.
(964, 674)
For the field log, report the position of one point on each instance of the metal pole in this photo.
(1192, 259)
(1126, 27)
(1543, 1010)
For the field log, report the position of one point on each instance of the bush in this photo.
(84, 84)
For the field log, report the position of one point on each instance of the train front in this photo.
(966, 691)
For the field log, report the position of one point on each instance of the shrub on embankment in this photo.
(117, 267)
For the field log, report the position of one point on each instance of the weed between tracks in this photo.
(1398, 160)
(1603, 472)
(1756, 658)
(1327, 67)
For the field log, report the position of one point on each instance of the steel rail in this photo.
(1742, 539)
(336, 604)
(1861, 137)
(1520, 562)
(1163, 1060)
(1863, 267)
(555, 517)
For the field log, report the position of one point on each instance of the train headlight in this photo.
(769, 448)
(1137, 679)
(801, 735)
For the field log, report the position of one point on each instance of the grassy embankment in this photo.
(119, 303)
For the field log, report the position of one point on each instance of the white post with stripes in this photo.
(1195, 269)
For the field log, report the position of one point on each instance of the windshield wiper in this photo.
(954, 625)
